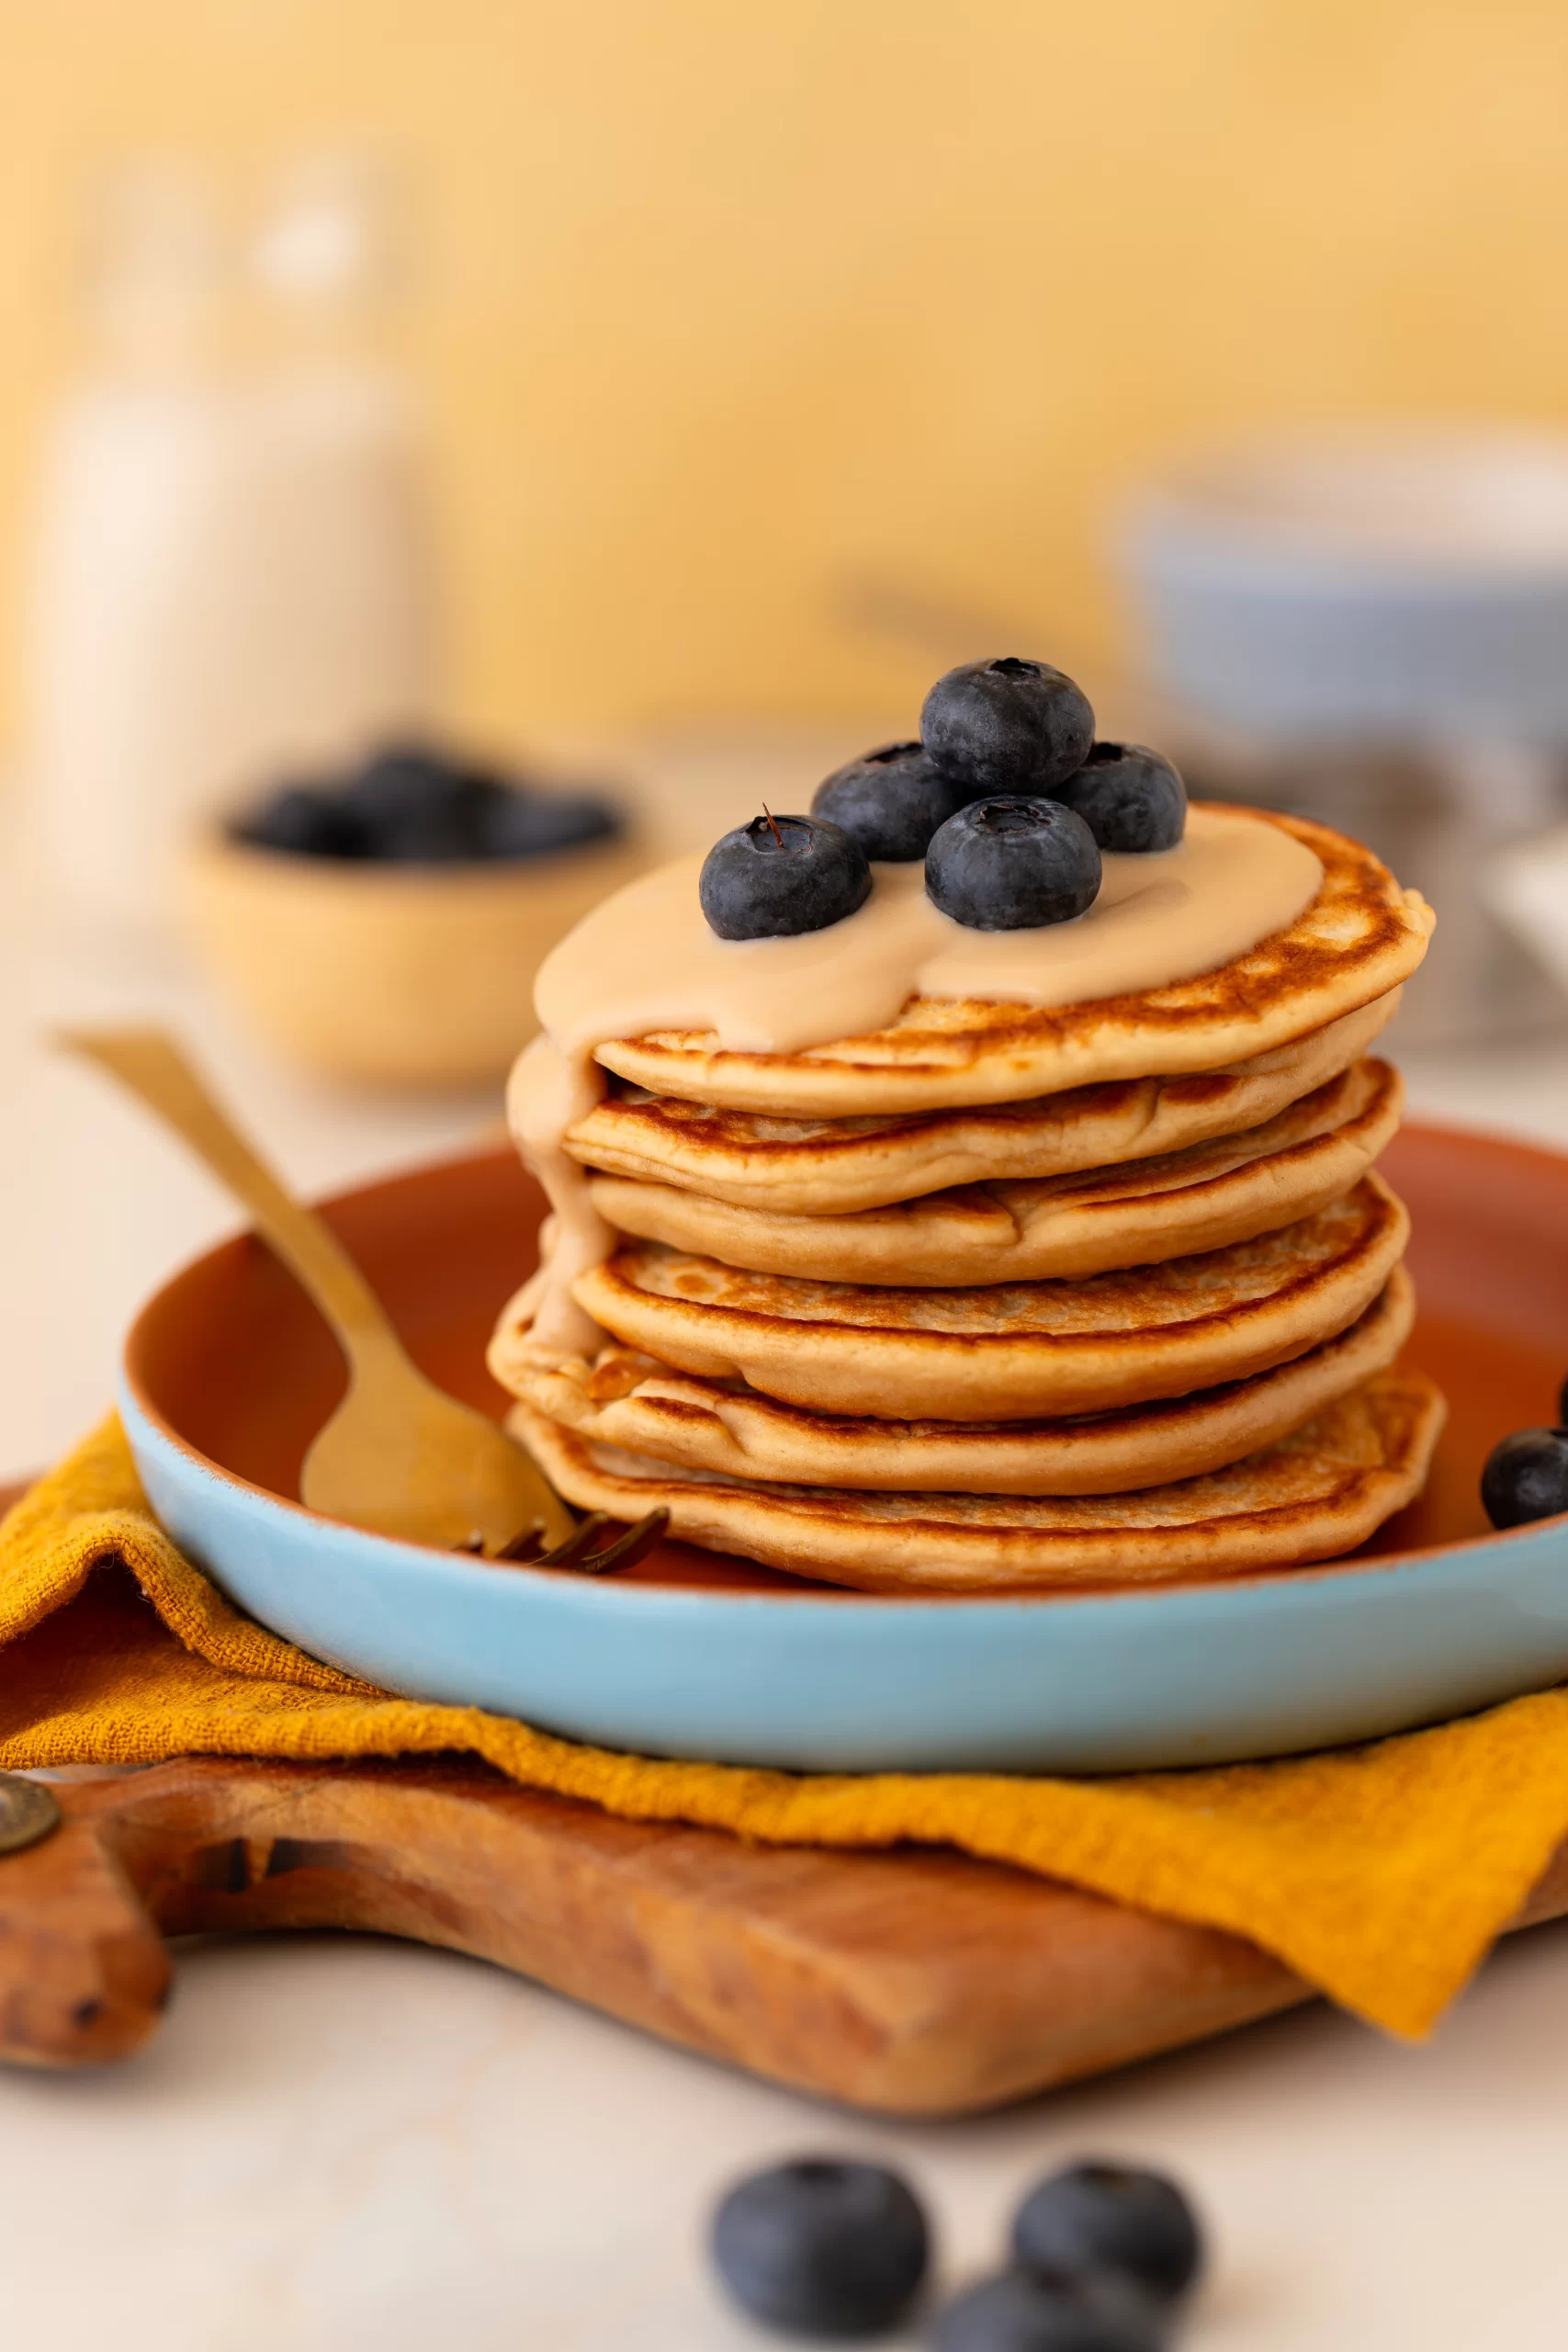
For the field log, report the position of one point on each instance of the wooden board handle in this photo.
(83, 1972)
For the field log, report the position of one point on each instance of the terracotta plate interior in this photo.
(232, 1358)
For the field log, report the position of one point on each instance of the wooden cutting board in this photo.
(912, 1982)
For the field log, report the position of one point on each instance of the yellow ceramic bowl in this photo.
(393, 975)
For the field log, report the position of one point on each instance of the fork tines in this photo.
(577, 1551)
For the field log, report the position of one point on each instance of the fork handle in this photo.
(153, 1067)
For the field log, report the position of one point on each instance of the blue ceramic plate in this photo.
(229, 1372)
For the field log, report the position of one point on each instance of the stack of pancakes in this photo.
(1001, 1297)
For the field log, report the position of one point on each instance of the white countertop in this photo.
(337, 2144)
(368, 2147)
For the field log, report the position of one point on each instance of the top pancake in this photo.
(1357, 939)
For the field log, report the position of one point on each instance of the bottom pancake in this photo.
(631, 1402)
(1310, 1496)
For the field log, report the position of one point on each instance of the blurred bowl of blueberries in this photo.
(385, 924)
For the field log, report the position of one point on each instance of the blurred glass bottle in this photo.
(232, 570)
(126, 629)
(339, 584)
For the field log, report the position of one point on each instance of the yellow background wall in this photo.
(746, 316)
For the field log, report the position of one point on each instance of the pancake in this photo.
(1008, 1351)
(629, 1402)
(1203, 1198)
(1311, 1496)
(1360, 937)
(836, 1167)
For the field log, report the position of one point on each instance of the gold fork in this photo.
(399, 1456)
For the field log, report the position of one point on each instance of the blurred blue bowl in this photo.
(1411, 588)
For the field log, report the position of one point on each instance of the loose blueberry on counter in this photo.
(822, 2247)
(1130, 799)
(1022, 2311)
(1013, 864)
(891, 801)
(1006, 726)
(780, 875)
(1098, 2217)
(1526, 1477)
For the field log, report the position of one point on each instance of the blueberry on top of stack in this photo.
(1007, 797)
(410, 805)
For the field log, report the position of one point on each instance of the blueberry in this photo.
(306, 821)
(399, 780)
(822, 2245)
(418, 808)
(1022, 2311)
(1131, 799)
(1526, 1477)
(891, 801)
(781, 875)
(1097, 2217)
(1006, 726)
(533, 824)
(1012, 863)
(408, 805)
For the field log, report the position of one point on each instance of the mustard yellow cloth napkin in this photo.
(1380, 1873)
